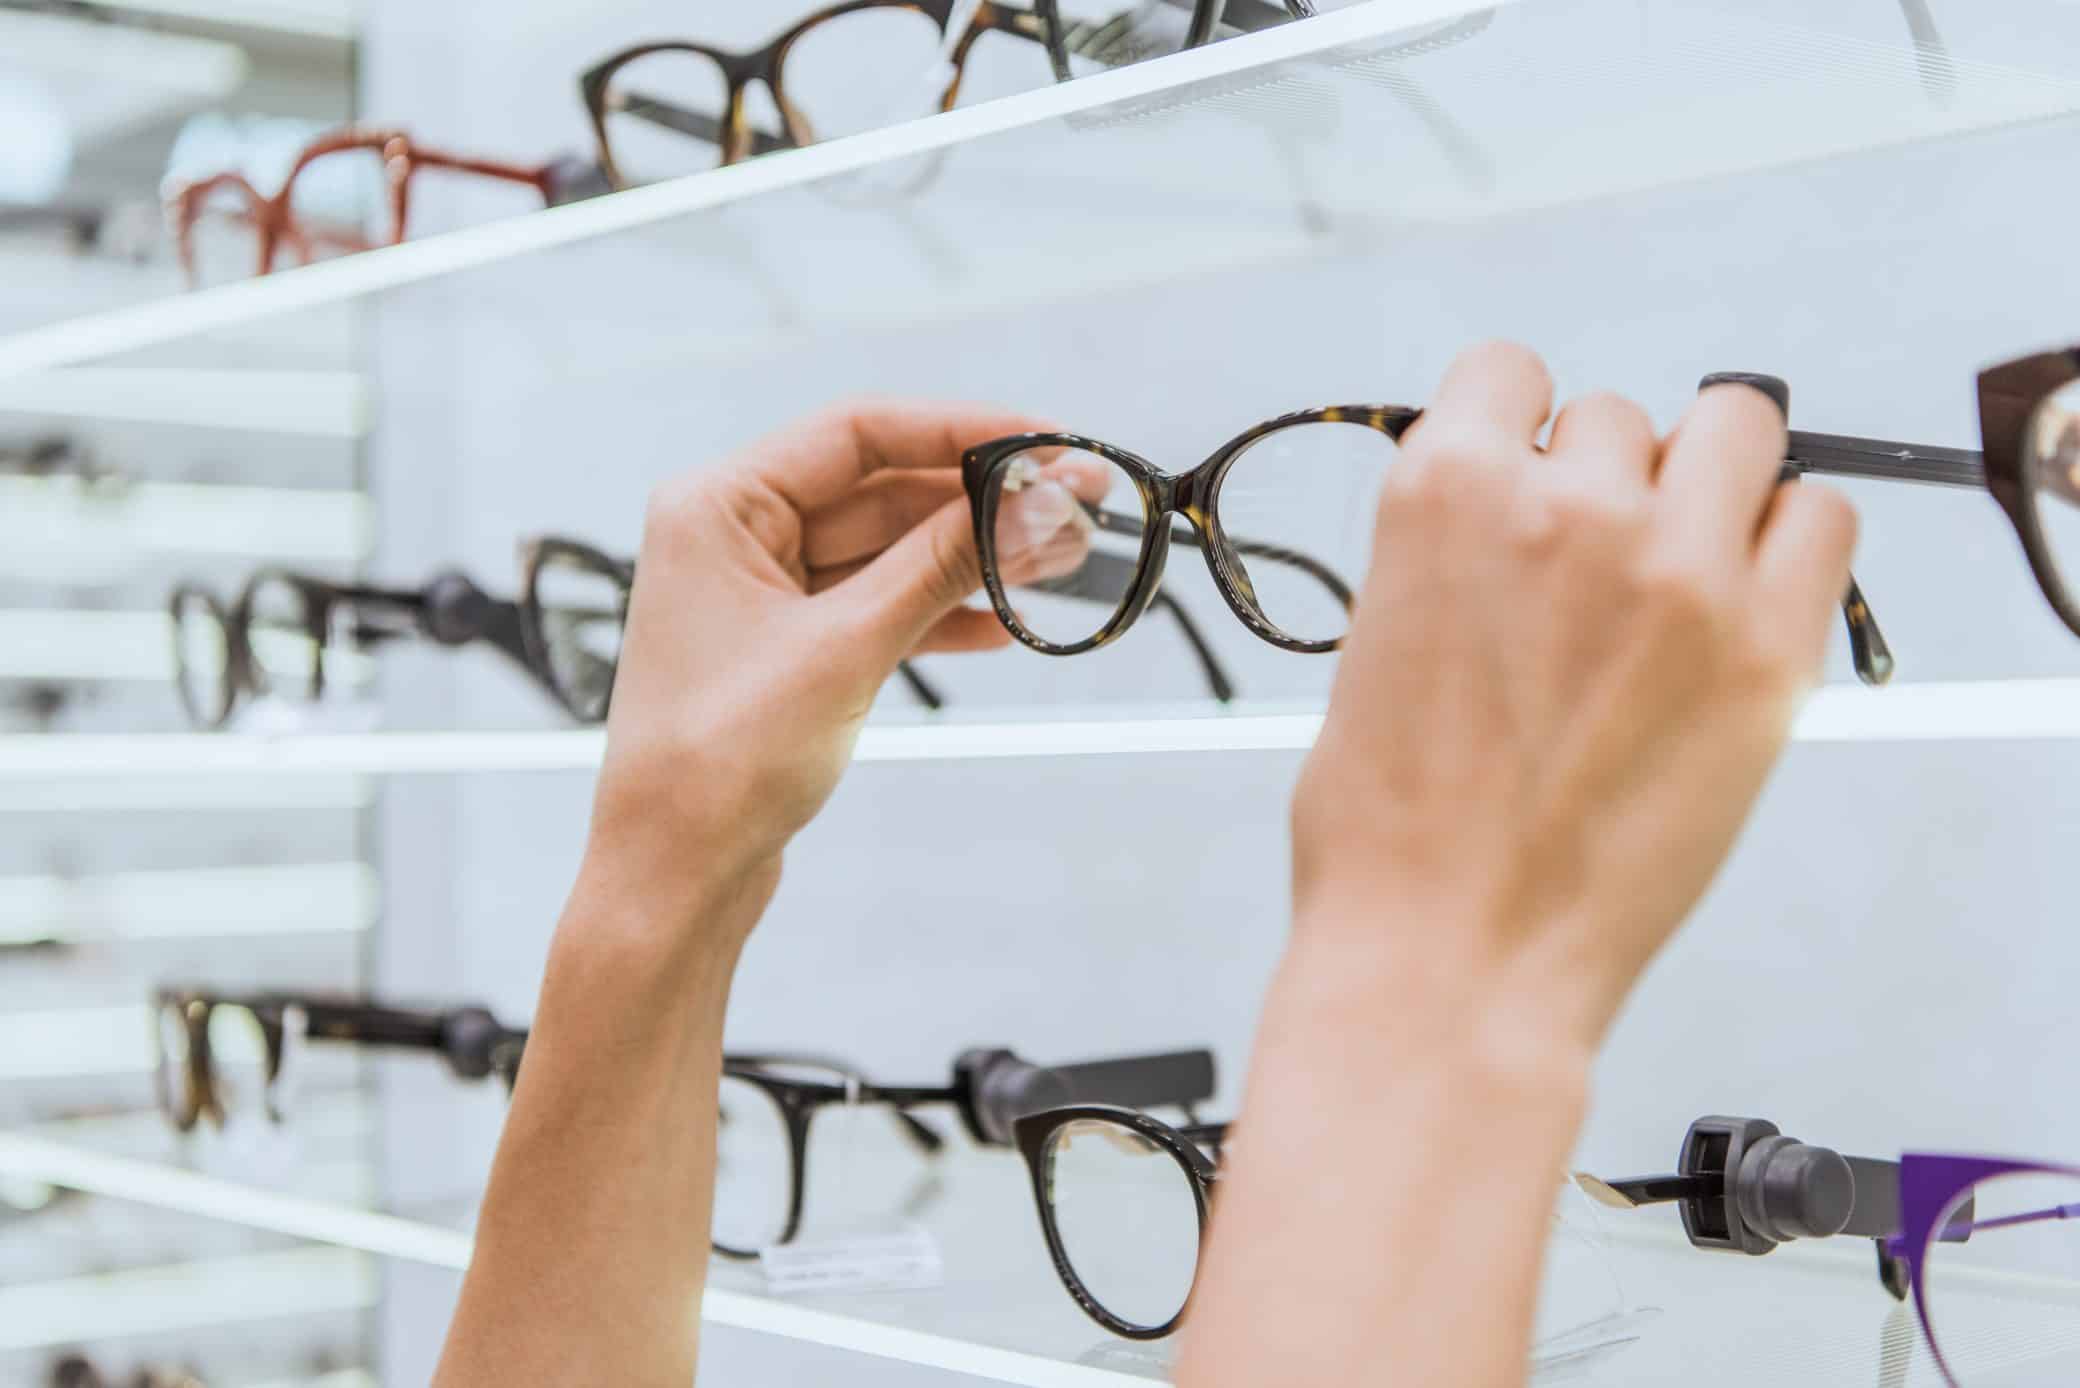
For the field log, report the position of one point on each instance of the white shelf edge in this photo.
(209, 1197)
(308, 404)
(101, 335)
(1970, 711)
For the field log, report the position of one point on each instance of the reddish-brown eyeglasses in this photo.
(276, 225)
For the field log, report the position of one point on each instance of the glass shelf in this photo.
(1990, 710)
(1811, 1310)
(1316, 135)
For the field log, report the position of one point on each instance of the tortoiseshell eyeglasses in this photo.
(674, 107)
(361, 159)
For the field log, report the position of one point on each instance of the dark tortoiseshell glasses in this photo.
(1274, 512)
(674, 107)
(390, 159)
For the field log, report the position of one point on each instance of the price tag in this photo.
(905, 1259)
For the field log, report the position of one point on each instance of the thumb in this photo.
(917, 580)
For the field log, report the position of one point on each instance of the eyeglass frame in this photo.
(1243, 16)
(732, 133)
(2009, 396)
(273, 218)
(1187, 1145)
(989, 1111)
(1193, 494)
(449, 609)
(472, 1041)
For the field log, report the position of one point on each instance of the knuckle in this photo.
(955, 571)
(674, 509)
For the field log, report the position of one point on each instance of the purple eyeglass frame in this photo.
(1929, 1184)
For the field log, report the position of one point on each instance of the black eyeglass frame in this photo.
(450, 609)
(991, 1089)
(1189, 1146)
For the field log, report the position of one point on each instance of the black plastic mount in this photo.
(1754, 1188)
(998, 1088)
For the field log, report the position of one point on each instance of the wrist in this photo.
(1445, 979)
(667, 911)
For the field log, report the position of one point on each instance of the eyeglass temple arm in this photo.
(927, 693)
(921, 1135)
(1931, 54)
(1103, 578)
(699, 126)
(473, 1042)
(1869, 651)
(1247, 16)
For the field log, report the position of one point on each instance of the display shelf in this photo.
(1387, 112)
(314, 404)
(389, 1236)
(1811, 1312)
(1992, 710)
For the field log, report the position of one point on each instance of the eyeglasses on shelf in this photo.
(277, 635)
(229, 1058)
(363, 159)
(664, 109)
(1986, 1249)
(574, 602)
(1123, 1200)
(769, 1103)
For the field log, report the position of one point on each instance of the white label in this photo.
(900, 1260)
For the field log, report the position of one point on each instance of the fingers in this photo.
(903, 593)
(964, 630)
(1608, 433)
(1721, 468)
(819, 461)
(1802, 565)
(1497, 392)
(874, 515)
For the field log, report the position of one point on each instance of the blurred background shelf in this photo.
(1966, 711)
(1293, 141)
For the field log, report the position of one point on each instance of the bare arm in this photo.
(1568, 676)
(772, 599)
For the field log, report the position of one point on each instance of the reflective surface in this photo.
(2053, 461)
(754, 1168)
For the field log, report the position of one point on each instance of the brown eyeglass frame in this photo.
(274, 218)
(731, 131)
(1195, 495)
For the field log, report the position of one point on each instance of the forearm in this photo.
(592, 1245)
(1383, 1212)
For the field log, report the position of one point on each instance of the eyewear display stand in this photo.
(1298, 143)
(1810, 1313)
(1289, 122)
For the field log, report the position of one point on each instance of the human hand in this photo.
(773, 597)
(1567, 678)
